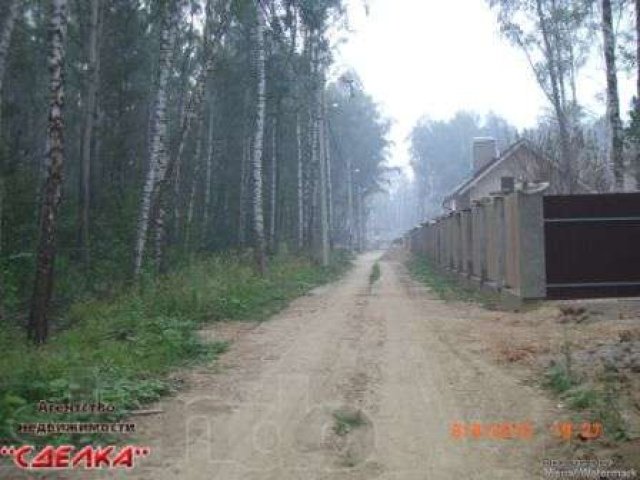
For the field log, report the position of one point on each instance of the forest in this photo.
(169, 165)
(164, 164)
(139, 135)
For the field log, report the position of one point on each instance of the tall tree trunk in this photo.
(1, 271)
(207, 179)
(613, 102)
(273, 189)
(321, 160)
(5, 40)
(350, 222)
(5, 35)
(52, 193)
(244, 172)
(300, 197)
(327, 151)
(637, 159)
(158, 147)
(194, 113)
(194, 189)
(256, 162)
(87, 133)
(565, 148)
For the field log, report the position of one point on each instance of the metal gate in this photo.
(592, 245)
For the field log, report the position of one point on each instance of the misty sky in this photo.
(435, 57)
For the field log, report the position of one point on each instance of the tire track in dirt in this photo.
(350, 382)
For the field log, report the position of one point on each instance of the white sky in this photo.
(434, 57)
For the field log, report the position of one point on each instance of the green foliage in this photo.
(346, 421)
(596, 401)
(375, 273)
(422, 269)
(557, 378)
(120, 351)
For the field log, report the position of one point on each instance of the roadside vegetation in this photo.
(375, 273)
(591, 379)
(121, 351)
(594, 394)
(446, 288)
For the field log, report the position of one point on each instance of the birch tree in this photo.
(87, 133)
(546, 31)
(635, 113)
(256, 159)
(321, 160)
(38, 326)
(613, 101)
(158, 144)
(193, 114)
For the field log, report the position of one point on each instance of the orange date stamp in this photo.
(493, 431)
(564, 430)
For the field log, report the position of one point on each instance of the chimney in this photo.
(484, 151)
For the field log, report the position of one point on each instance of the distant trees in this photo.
(441, 154)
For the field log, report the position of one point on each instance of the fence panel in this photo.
(592, 245)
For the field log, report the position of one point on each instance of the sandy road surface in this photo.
(268, 410)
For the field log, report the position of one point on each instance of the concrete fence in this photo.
(497, 244)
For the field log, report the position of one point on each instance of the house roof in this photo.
(489, 166)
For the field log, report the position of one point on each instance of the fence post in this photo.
(479, 241)
(458, 251)
(532, 256)
(465, 242)
(500, 240)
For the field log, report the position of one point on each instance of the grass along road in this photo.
(347, 382)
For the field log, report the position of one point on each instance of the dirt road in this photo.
(349, 382)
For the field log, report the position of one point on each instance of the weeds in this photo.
(448, 290)
(375, 273)
(120, 351)
(346, 421)
(597, 403)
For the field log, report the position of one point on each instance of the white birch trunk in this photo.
(327, 150)
(194, 112)
(320, 158)
(52, 192)
(158, 149)
(256, 163)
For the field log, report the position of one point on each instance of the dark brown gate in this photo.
(592, 245)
